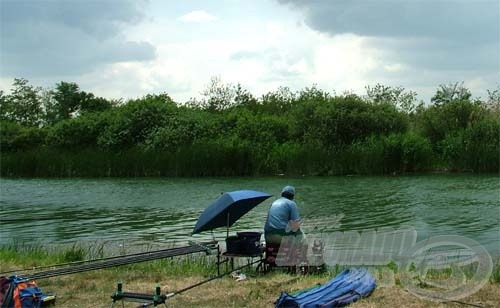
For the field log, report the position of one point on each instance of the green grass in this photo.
(20, 256)
(94, 288)
(27, 255)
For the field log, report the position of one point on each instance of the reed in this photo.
(377, 154)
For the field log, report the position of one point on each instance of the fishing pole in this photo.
(123, 260)
(207, 246)
(113, 263)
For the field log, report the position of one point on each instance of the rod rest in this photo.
(155, 299)
(139, 296)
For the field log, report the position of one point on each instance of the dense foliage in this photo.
(67, 132)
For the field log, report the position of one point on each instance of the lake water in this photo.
(163, 211)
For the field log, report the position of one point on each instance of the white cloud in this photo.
(197, 17)
(394, 67)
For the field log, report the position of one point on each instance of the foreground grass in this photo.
(94, 289)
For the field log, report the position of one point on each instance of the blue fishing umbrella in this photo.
(228, 208)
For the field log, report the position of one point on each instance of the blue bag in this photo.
(345, 288)
(22, 293)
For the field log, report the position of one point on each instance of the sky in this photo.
(129, 48)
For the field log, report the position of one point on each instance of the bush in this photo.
(475, 148)
(403, 152)
(416, 152)
(80, 132)
(131, 124)
(14, 137)
(482, 152)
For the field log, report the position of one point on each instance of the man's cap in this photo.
(289, 190)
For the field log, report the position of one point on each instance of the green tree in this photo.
(243, 98)
(493, 101)
(23, 105)
(80, 132)
(91, 103)
(278, 102)
(183, 126)
(217, 96)
(397, 96)
(67, 101)
(67, 96)
(451, 92)
(311, 116)
(48, 102)
(263, 130)
(340, 120)
(131, 124)
(16, 137)
(451, 112)
(3, 106)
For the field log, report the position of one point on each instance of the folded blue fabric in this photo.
(345, 288)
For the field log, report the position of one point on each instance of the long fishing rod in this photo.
(112, 263)
(80, 262)
(207, 246)
(136, 258)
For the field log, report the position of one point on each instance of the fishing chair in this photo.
(288, 255)
(296, 255)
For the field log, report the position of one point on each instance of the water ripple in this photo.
(164, 210)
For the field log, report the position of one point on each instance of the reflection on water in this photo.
(161, 211)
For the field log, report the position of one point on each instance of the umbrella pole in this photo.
(227, 230)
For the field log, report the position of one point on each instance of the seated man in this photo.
(283, 218)
(283, 221)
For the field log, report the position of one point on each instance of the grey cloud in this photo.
(475, 20)
(441, 55)
(68, 37)
(437, 34)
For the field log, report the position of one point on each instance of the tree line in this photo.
(65, 131)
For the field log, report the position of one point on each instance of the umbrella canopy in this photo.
(228, 208)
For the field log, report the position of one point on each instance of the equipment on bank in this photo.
(147, 299)
(20, 292)
(224, 212)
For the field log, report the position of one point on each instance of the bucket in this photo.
(249, 242)
(233, 244)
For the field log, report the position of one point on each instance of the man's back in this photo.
(281, 212)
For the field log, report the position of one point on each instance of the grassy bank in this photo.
(94, 288)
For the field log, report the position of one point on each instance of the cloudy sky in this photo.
(128, 48)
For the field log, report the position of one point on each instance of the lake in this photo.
(163, 211)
